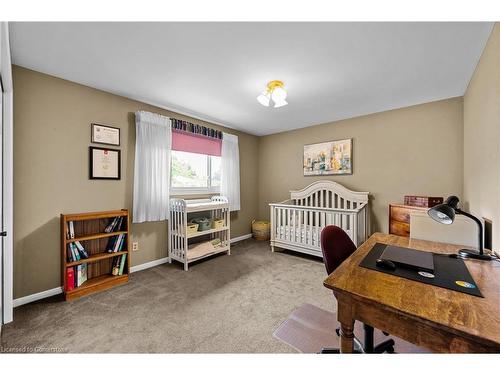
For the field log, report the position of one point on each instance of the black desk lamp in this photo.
(445, 214)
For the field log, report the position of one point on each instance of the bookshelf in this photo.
(89, 231)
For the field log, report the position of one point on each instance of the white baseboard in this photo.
(241, 238)
(139, 267)
(37, 296)
(147, 265)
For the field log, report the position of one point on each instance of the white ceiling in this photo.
(214, 71)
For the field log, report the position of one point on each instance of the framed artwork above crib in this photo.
(328, 158)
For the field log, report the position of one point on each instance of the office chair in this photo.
(337, 247)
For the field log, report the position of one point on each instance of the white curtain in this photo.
(153, 139)
(230, 171)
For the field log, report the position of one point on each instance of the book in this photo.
(81, 250)
(69, 253)
(76, 255)
(116, 266)
(122, 264)
(111, 225)
(73, 256)
(71, 230)
(111, 244)
(118, 224)
(70, 279)
(81, 274)
(119, 243)
(122, 244)
(77, 276)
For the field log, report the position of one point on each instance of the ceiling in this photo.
(214, 71)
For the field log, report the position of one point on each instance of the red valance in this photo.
(199, 144)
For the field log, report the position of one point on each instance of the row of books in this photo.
(75, 276)
(76, 251)
(118, 265)
(114, 225)
(116, 243)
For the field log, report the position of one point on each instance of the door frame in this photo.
(7, 180)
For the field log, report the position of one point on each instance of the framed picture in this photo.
(328, 158)
(106, 135)
(105, 164)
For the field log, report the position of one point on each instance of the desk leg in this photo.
(346, 338)
(346, 319)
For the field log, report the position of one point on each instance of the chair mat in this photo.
(309, 328)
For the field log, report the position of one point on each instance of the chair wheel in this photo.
(390, 350)
(329, 351)
(337, 331)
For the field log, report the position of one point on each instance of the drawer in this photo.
(399, 228)
(400, 214)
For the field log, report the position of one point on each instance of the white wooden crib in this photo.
(296, 223)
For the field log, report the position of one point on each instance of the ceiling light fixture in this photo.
(274, 93)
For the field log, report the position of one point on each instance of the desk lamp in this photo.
(445, 214)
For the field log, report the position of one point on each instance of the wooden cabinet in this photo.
(399, 218)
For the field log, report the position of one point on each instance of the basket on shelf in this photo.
(261, 230)
(192, 228)
(217, 223)
(203, 223)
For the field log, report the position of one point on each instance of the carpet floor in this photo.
(226, 304)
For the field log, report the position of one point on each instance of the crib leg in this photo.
(272, 248)
(185, 266)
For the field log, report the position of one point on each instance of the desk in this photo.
(439, 319)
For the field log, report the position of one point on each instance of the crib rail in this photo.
(300, 226)
(289, 204)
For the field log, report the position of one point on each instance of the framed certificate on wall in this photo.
(105, 164)
(106, 135)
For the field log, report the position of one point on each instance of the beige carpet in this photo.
(226, 304)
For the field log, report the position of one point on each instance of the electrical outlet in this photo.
(135, 246)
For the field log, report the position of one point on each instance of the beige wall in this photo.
(413, 150)
(52, 120)
(482, 136)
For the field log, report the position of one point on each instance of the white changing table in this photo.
(179, 248)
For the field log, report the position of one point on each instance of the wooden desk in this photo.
(439, 319)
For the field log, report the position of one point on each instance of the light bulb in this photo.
(264, 99)
(278, 95)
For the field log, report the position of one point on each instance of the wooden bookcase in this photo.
(89, 230)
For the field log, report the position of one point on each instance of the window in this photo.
(192, 173)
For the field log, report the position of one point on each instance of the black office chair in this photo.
(337, 247)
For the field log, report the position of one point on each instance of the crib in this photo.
(296, 223)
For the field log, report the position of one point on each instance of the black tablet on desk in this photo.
(409, 258)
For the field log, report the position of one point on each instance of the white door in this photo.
(6, 144)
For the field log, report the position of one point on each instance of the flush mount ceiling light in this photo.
(274, 93)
